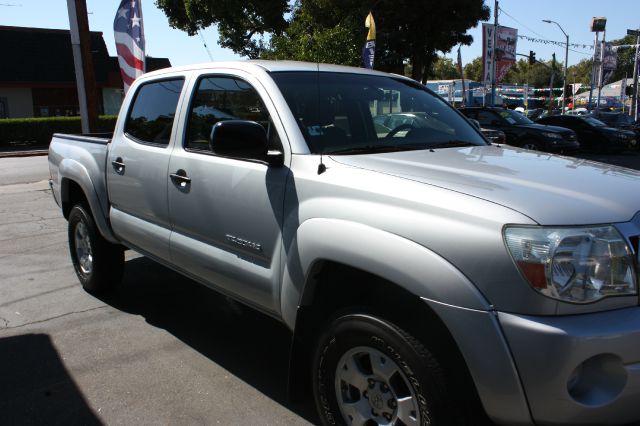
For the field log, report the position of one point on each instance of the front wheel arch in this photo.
(340, 289)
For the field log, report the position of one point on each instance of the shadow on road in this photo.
(35, 387)
(248, 344)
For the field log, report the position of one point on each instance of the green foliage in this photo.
(241, 23)
(536, 75)
(625, 59)
(580, 72)
(408, 31)
(473, 70)
(304, 41)
(443, 69)
(38, 131)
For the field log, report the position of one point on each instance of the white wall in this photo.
(19, 100)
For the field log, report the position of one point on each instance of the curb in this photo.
(25, 153)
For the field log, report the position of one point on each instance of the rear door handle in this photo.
(180, 177)
(118, 165)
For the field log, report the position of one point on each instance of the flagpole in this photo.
(493, 56)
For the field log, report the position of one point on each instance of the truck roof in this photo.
(271, 66)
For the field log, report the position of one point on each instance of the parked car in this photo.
(421, 274)
(406, 121)
(522, 132)
(620, 120)
(593, 134)
(495, 136)
(533, 113)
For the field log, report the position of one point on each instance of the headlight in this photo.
(552, 135)
(579, 265)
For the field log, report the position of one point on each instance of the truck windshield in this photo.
(343, 113)
(513, 117)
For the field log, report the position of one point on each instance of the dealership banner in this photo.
(504, 50)
(369, 49)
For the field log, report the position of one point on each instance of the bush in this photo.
(38, 131)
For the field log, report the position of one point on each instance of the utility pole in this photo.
(85, 77)
(594, 67)
(553, 65)
(633, 111)
(495, 51)
(600, 74)
(597, 25)
(566, 63)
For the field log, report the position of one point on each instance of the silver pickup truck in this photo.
(427, 276)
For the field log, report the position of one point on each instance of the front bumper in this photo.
(524, 367)
(578, 369)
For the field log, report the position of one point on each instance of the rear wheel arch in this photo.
(72, 194)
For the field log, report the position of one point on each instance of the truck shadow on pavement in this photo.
(35, 386)
(250, 345)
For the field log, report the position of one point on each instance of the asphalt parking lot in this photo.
(161, 350)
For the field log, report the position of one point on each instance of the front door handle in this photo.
(180, 177)
(118, 165)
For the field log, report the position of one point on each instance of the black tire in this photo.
(533, 146)
(417, 374)
(105, 265)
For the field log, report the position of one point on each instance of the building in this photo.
(451, 90)
(37, 76)
(611, 95)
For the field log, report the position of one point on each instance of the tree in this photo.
(241, 23)
(580, 72)
(473, 70)
(625, 58)
(443, 69)
(305, 41)
(407, 30)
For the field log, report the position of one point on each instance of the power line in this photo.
(530, 29)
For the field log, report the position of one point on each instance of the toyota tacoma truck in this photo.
(427, 276)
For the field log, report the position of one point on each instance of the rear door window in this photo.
(151, 115)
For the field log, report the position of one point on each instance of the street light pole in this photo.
(566, 63)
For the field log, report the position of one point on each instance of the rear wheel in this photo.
(98, 263)
(368, 371)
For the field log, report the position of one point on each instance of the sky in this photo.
(163, 41)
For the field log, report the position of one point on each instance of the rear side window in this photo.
(151, 117)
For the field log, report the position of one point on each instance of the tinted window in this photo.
(513, 117)
(154, 107)
(357, 113)
(486, 117)
(224, 98)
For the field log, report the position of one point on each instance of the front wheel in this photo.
(533, 146)
(368, 371)
(98, 263)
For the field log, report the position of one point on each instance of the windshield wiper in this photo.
(371, 149)
(451, 144)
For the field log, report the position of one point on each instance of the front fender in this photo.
(73, 171)
(412, 266)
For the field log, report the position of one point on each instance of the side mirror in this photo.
(475, 123)
(243, 139)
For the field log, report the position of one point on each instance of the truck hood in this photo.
(550, 189)
(542, 128)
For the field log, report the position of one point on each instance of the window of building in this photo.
(4, 108)
(151, 117)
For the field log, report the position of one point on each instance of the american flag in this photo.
(129, 33)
